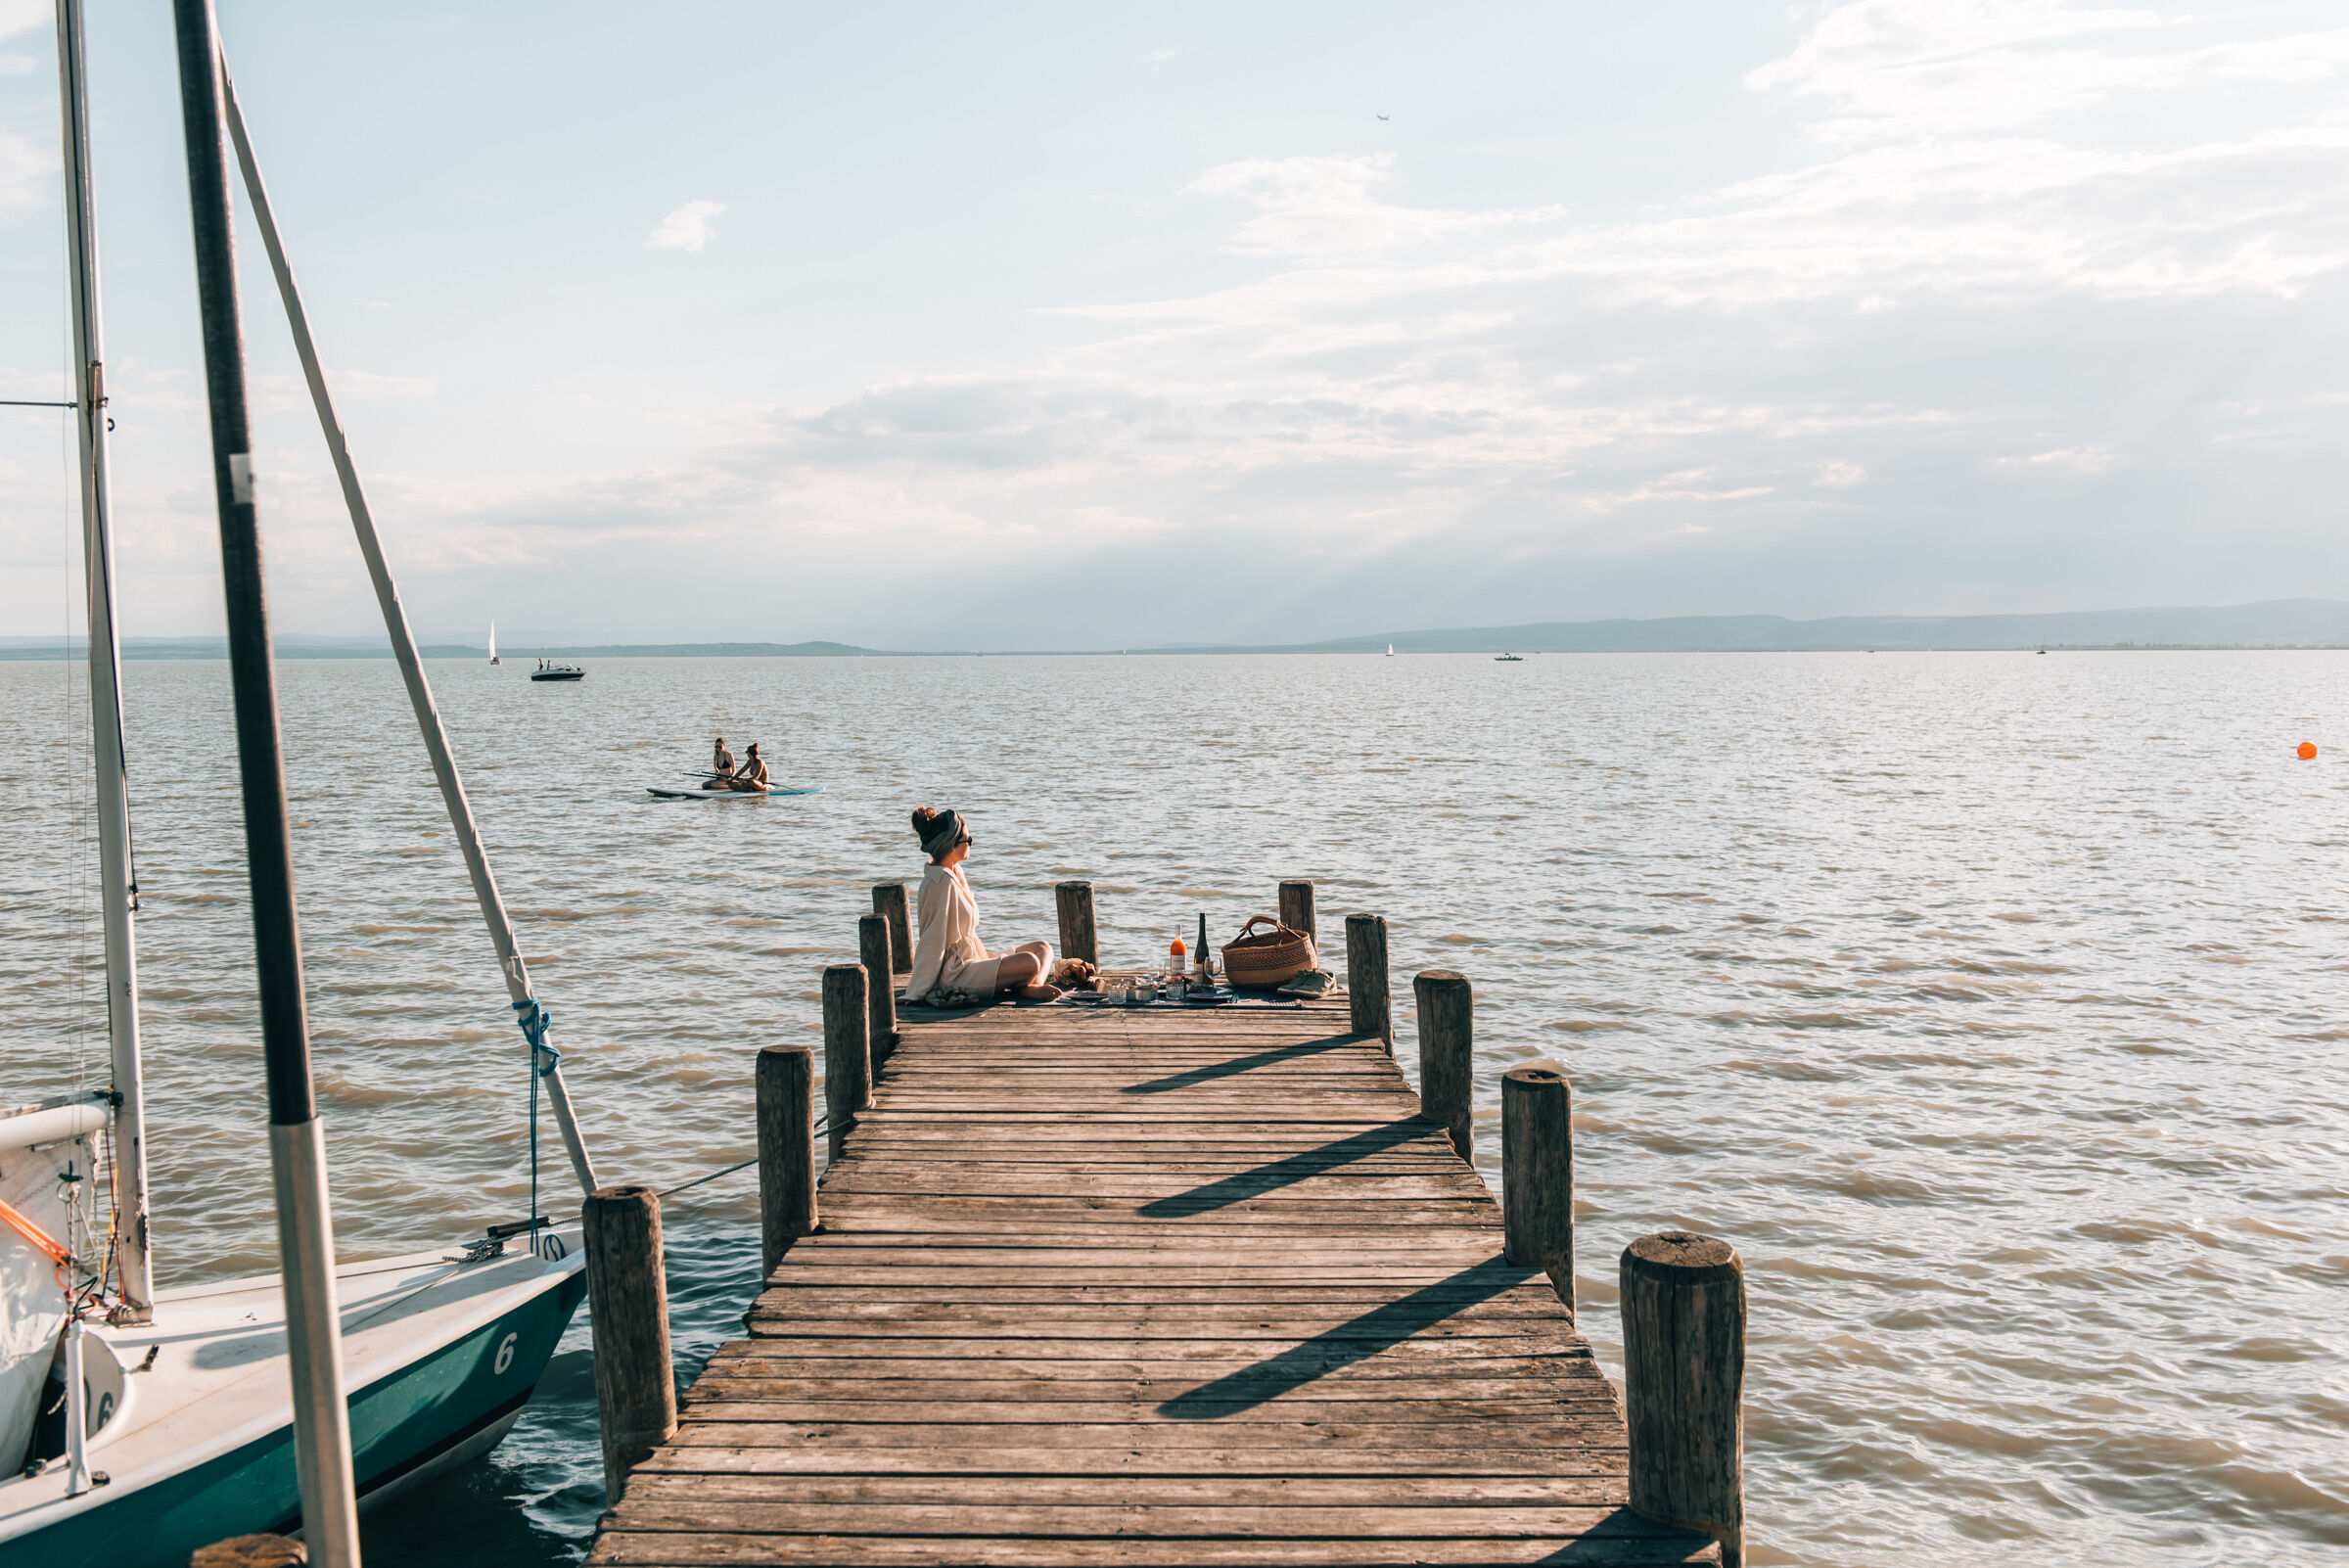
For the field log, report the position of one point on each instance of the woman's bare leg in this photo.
(1019, 972)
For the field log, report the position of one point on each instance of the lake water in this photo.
(1992, 1004)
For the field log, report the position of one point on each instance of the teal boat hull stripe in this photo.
(399, 1424)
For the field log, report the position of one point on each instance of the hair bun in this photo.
(923, 818)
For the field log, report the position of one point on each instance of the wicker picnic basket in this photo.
(1266, 957)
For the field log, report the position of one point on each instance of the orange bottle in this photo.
(1175, 960)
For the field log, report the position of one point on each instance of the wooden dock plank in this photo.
(1146, 1288)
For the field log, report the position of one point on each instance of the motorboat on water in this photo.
(138, 1424)
(558, 672)
(1509, 659)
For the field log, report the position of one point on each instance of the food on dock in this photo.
(1074, 974)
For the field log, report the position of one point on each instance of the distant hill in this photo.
(2271, 624)
(694, 650)
(312, 647)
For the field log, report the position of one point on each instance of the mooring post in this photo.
(252, 1552)
(627, 1310)
(786, 1148)
(1536, 1173)
(1371, 1011)
(1684, 1384)
(847, 1050)
(1077, 939)
(1446, 1059)
(1297, 910)
(878, 952)
(888, 901)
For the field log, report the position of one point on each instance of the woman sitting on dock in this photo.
(952, 967)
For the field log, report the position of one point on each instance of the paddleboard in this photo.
(727, 795)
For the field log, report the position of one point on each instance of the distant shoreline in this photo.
(449, 654)
(2272, 625)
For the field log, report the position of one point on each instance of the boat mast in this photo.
(544, 1060)
(330, 1516)
(118, 894)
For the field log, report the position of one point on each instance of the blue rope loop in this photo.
(535, 1021)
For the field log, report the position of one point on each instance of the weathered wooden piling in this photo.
(628, 1306)
(1077, 939)
(877, 952)
(1369, 1007)
(1446, 1054)
(1537, 1172)
(786, 1148)
(1684, 1384)
(847, 1050)
(889, 903)
(1297, 910)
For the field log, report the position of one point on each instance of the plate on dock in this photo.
(658, 793)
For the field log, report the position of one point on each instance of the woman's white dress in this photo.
(950, 964)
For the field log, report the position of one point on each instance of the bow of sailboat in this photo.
(193, 1414)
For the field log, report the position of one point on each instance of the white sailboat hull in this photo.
(440, 1358)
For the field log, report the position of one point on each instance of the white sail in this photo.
(493, 642)
(45, 1155)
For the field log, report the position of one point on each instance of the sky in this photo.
(1029, 326)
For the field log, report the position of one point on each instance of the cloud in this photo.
(2032, 278)
(22, 16)
(2064, 460)
(688, 228)
(1328, 208)
(25, 175)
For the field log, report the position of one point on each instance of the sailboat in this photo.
(1390, 650)
(493, 642)
(137, 1425)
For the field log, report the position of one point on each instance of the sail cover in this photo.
(39, 1150)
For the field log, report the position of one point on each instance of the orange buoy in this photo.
(2308, 748)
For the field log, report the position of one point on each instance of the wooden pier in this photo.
(1147, 1286)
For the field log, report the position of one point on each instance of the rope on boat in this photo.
(535, 1021)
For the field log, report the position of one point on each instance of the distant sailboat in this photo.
(1390, 650)
(493, 642)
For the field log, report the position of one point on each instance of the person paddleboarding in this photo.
(750, 778)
